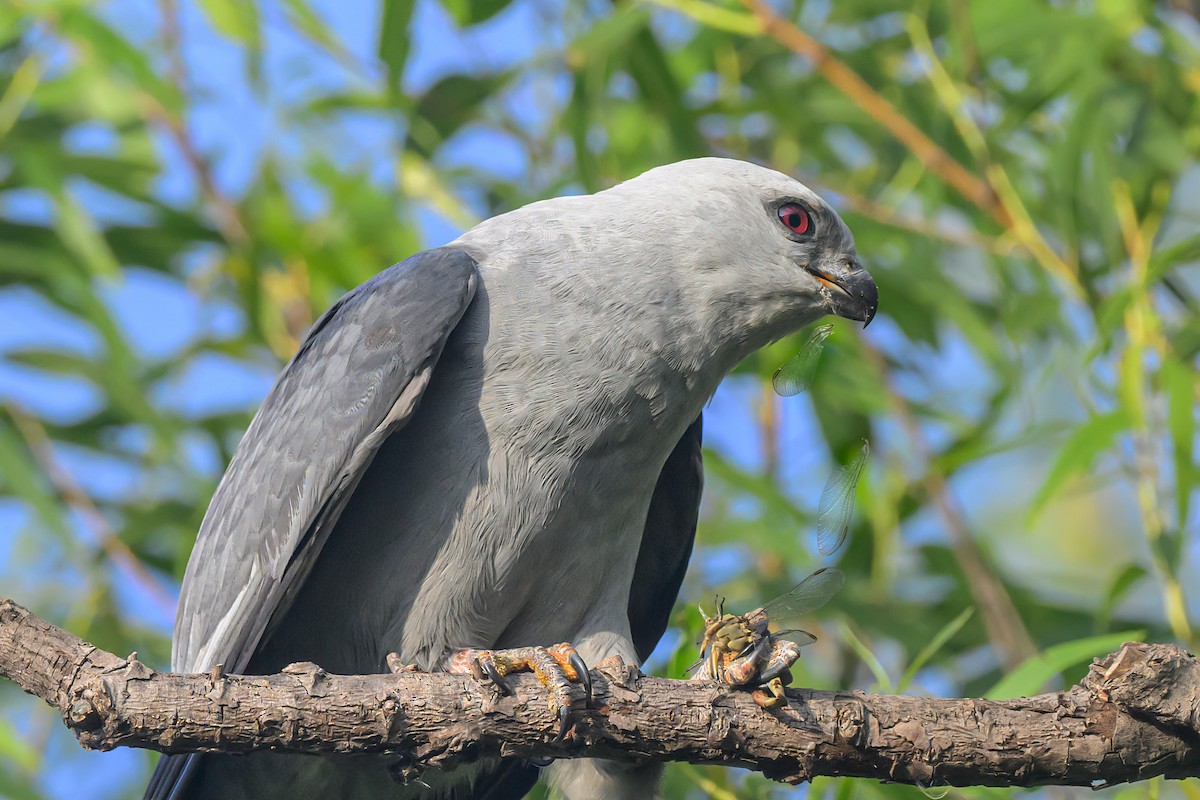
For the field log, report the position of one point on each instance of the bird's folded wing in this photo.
(357, 378)
(666, 541)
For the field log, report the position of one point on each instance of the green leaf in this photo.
(883, 681)
(16, 95)
(14, 748)
(234, 19)
(113, 56)
(1120, 586)
(62, 362)
(14, 787)
(311, 24)
(1166, 258)
(395, 17)
(82, 237)
(1082, 447)
(1036, 672)
(471, 12)
(935, 644)
(447, 106)
(608, 35)
(715, 16)
(419, 180)
(660, 90)
(711, 789)
(764, 491)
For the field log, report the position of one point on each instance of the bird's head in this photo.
(763, 247)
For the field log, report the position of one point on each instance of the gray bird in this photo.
(496, 444)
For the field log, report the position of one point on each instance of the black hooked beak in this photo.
(852, 292)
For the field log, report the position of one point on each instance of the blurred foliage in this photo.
(1021, 176)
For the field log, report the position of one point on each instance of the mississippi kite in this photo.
(496, 444)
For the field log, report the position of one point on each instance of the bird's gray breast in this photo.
(575, 426)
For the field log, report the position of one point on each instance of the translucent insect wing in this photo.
(796, 375)
(808, 595)
(836, 508)
(796, 636)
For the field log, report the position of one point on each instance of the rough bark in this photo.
(1135, 715)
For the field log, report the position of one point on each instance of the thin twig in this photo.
(287, 288)
(73, 495)
(768, 429)
(225, 211)
(889, 216)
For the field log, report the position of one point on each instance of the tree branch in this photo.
(1135, 716)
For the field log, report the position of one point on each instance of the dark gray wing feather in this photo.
(511, 780)
(356, 379)
(667, 541)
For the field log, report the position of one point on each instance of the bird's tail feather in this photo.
(171, 777)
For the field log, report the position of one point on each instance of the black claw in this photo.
(495, 678)
(540, 762)
(585, 676)
(564, 722)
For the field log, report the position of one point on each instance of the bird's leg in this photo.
(555, 667)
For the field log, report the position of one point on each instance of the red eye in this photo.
(794, 217)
